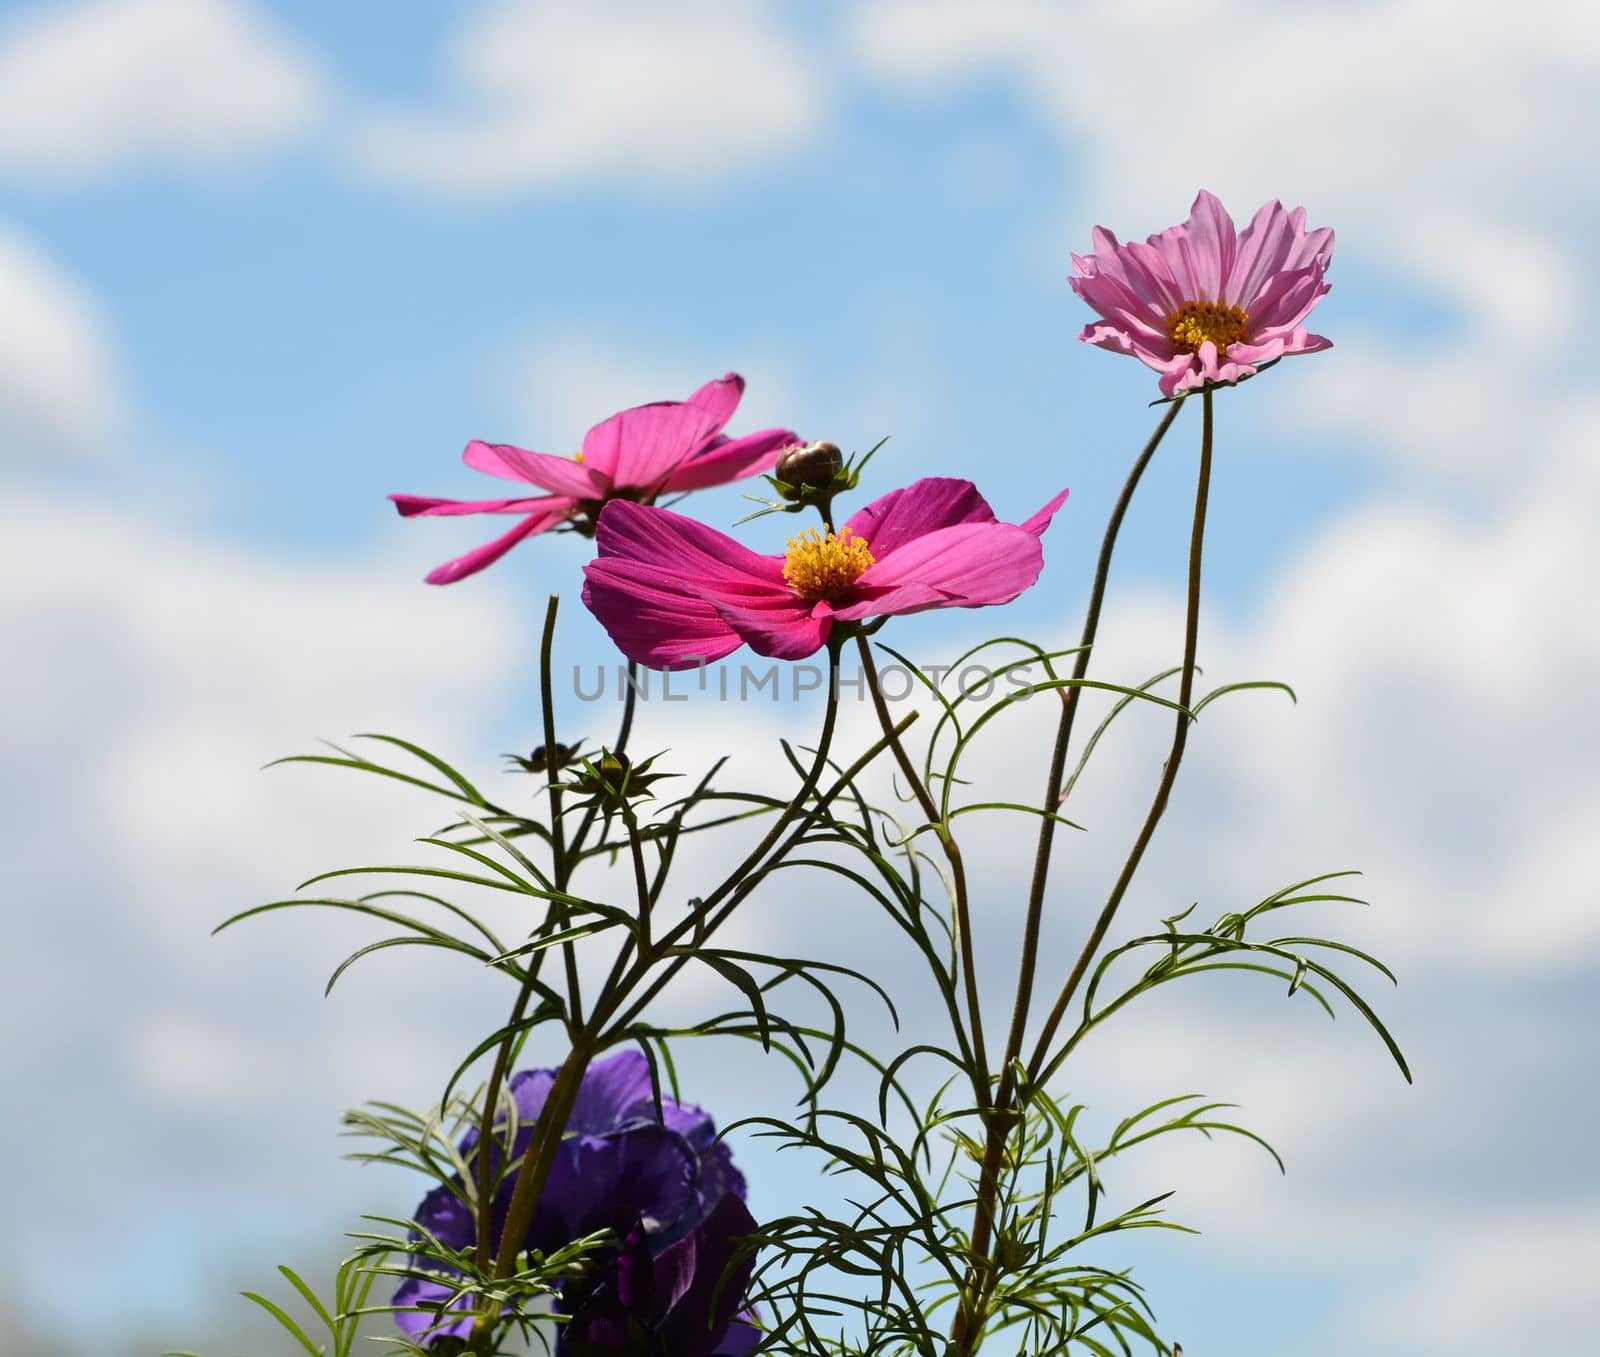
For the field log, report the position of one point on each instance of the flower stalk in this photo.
(1039, 1066)
(968, 1324)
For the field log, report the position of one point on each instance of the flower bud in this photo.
(614, 768)
(543, 760)
(811, 464)
(611, 780)
(1011, 1252)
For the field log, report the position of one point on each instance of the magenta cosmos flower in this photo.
(637, 455)
(1201, 303)
(674, 593)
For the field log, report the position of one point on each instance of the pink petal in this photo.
(559, 475)
(1309, 246)
(1155, 352)
(789, 632)
(1041, 520)
(1256, 354)
(1171, 289)
(1181, 373)
(1211, 245)
(901, 516)
(1294, 339)
(490, 552)
(970, 565)
(720, 397)
(678, 546)
(1276, 243)
(1263, 246)
(1120, 306)
(731, 459)
(413, 506)
(1178, 260)
(1288, 298)
(638, 448)
(1134, 269)
(656, 621)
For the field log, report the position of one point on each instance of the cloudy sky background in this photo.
(262, 263)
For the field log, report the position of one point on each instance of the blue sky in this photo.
(261, 264)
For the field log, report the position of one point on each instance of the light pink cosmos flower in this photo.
(637, 455)
(675, 594)
(1203, 304)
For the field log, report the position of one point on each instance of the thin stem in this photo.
(999, 1127)
(958, 872)
(552, 775)
(1169, 774)
(552, 769)
(830, 720)
(1070, 701)
(646, 901)
(535, 1169)
(629, 699)
(502, 1059)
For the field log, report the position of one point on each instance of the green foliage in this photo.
(978, 1202)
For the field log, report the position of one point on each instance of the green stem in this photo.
(1169, 773)
(553, 772)
(1071, 700)
(830, 720)
(646, 902)
(531, 1176)
(502, 1059)
(958, 874)
(966, 1322)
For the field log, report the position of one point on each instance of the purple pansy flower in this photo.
(618, 1168)
(683, 1301)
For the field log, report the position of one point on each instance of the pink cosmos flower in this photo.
(636, 455)
(1201, 303)
(675, 594)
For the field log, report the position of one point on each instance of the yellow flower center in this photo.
(1195, 322)
(821, 567)
(578, 455)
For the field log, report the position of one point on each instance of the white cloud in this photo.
(676, 97)
(1440, 743)
(60, 389)
(1521, 1282)
(158, 671)
(91, 86)
(1436, 137)
(1394, 109)
(149, 673)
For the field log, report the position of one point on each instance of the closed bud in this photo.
(543, 759)
(812, 464)
(611, 779)
(611, 773)
(1011, 1253)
